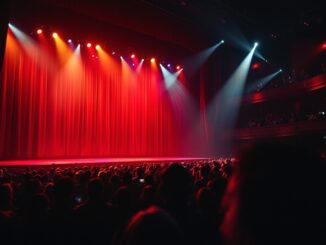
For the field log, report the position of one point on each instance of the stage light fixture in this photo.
(169, 65)
(152, 60)
(133, 56)
(69, 41)
(89, 45)
(39, 31)
(256, 44)
(280, 70)
(178, 67)
(222, 41)
(255, 66)
(323, 45)
(97, 47)
(113, 53)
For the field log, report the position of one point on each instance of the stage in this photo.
(94, 161)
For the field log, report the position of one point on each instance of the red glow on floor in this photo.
(93, 161)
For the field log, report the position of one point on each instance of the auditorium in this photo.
(139, 122)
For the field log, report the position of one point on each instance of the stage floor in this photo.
(44, 162)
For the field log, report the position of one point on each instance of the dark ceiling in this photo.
(189, 24)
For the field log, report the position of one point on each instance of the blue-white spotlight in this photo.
(223, 110)
(169, 78)
(262, 82)
(194, 62)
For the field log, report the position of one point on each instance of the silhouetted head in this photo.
(147, 196)
(175, 184)
(6, 196)
(32, 187)
(62, 191)
(122, 197)
(152, 226)
(38, 205)
(276, 195)
(205, 200)
(95, 190)
(205, 170)
(127, 178)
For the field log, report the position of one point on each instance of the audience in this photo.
(289, 78)
(272, 118)
(270, 194)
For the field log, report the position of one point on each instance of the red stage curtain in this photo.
(60, 105)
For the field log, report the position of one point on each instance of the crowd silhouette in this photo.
(268, 194)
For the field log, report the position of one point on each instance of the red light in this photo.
(152, 60)
(55, 35)
(39, 31)
(324, 45)
(97, 47)
(255, 66)
(133, 56)
(178, 67)
(89, 45)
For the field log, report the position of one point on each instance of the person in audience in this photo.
(152, 226)
(276, 195)
(61, 219)
(94, 217)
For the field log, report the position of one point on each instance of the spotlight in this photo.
(280, 70)
(113, 53)
(169, 65)
(255, 66)
(97, 47)
(133, 64)
(89, 45)
(69, 41)
(323, 45)
(222, 41)
(39, 31)
(178, 67)
(55, 35)
(152, 60)
(256, 44)
(133, 56)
